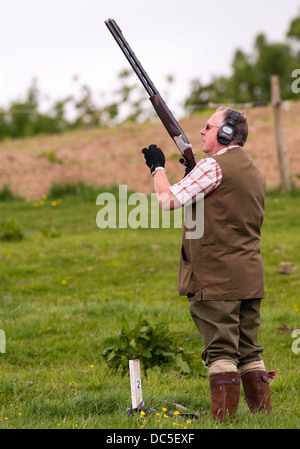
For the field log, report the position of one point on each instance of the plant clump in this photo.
(153, 344)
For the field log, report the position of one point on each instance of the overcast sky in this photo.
(53, 40)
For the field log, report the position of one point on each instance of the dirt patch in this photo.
(105, 157)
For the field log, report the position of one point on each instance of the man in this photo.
(222, 272)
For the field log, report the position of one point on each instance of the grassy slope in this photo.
(112, 156)
(53, 375)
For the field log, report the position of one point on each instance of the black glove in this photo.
(154, 157)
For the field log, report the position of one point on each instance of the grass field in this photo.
(64, 289)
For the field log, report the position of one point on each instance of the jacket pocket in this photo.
(185, 278)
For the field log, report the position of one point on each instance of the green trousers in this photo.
(228, 329)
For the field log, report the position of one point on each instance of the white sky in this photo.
(53, 40)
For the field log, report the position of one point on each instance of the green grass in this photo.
(64, 289)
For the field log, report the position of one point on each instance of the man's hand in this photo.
(154, 157)
(155, 160)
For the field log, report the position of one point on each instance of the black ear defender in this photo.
(226, 132)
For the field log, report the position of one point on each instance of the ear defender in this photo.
(226, 132)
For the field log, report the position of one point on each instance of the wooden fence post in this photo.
(281, 149)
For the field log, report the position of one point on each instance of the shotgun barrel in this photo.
(162, 110)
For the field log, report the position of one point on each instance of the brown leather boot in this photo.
(257, 390)
(225, 394)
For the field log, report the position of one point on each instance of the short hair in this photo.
(240, 127)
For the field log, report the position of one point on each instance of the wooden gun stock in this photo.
(175, 131)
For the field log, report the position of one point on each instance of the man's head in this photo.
(211, 145)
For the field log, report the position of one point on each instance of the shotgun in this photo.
(163, 112)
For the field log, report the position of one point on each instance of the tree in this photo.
(294, 30)
(274, 59)
(250, 78)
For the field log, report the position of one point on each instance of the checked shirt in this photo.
(205, 177)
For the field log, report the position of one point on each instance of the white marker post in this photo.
(135, 383)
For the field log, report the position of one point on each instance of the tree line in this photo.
(250, 77)
(248, 82)
(25, 118)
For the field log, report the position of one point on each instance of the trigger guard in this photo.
(182, 160)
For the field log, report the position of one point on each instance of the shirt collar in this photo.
(225, 149)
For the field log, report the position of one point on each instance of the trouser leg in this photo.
(218, 325)
(218, 328)
(249, 323)
(255, 378)
(228, 330)
(229, 333)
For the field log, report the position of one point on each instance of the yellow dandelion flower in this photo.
(165, 416)
(64, 281)
(44, 197)
(188, 422)
(20, 414)
(157, 414)
(91, 366)
(143, 413)
(164, 409)
(176, 413)
(53, 203)
(42, 202)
